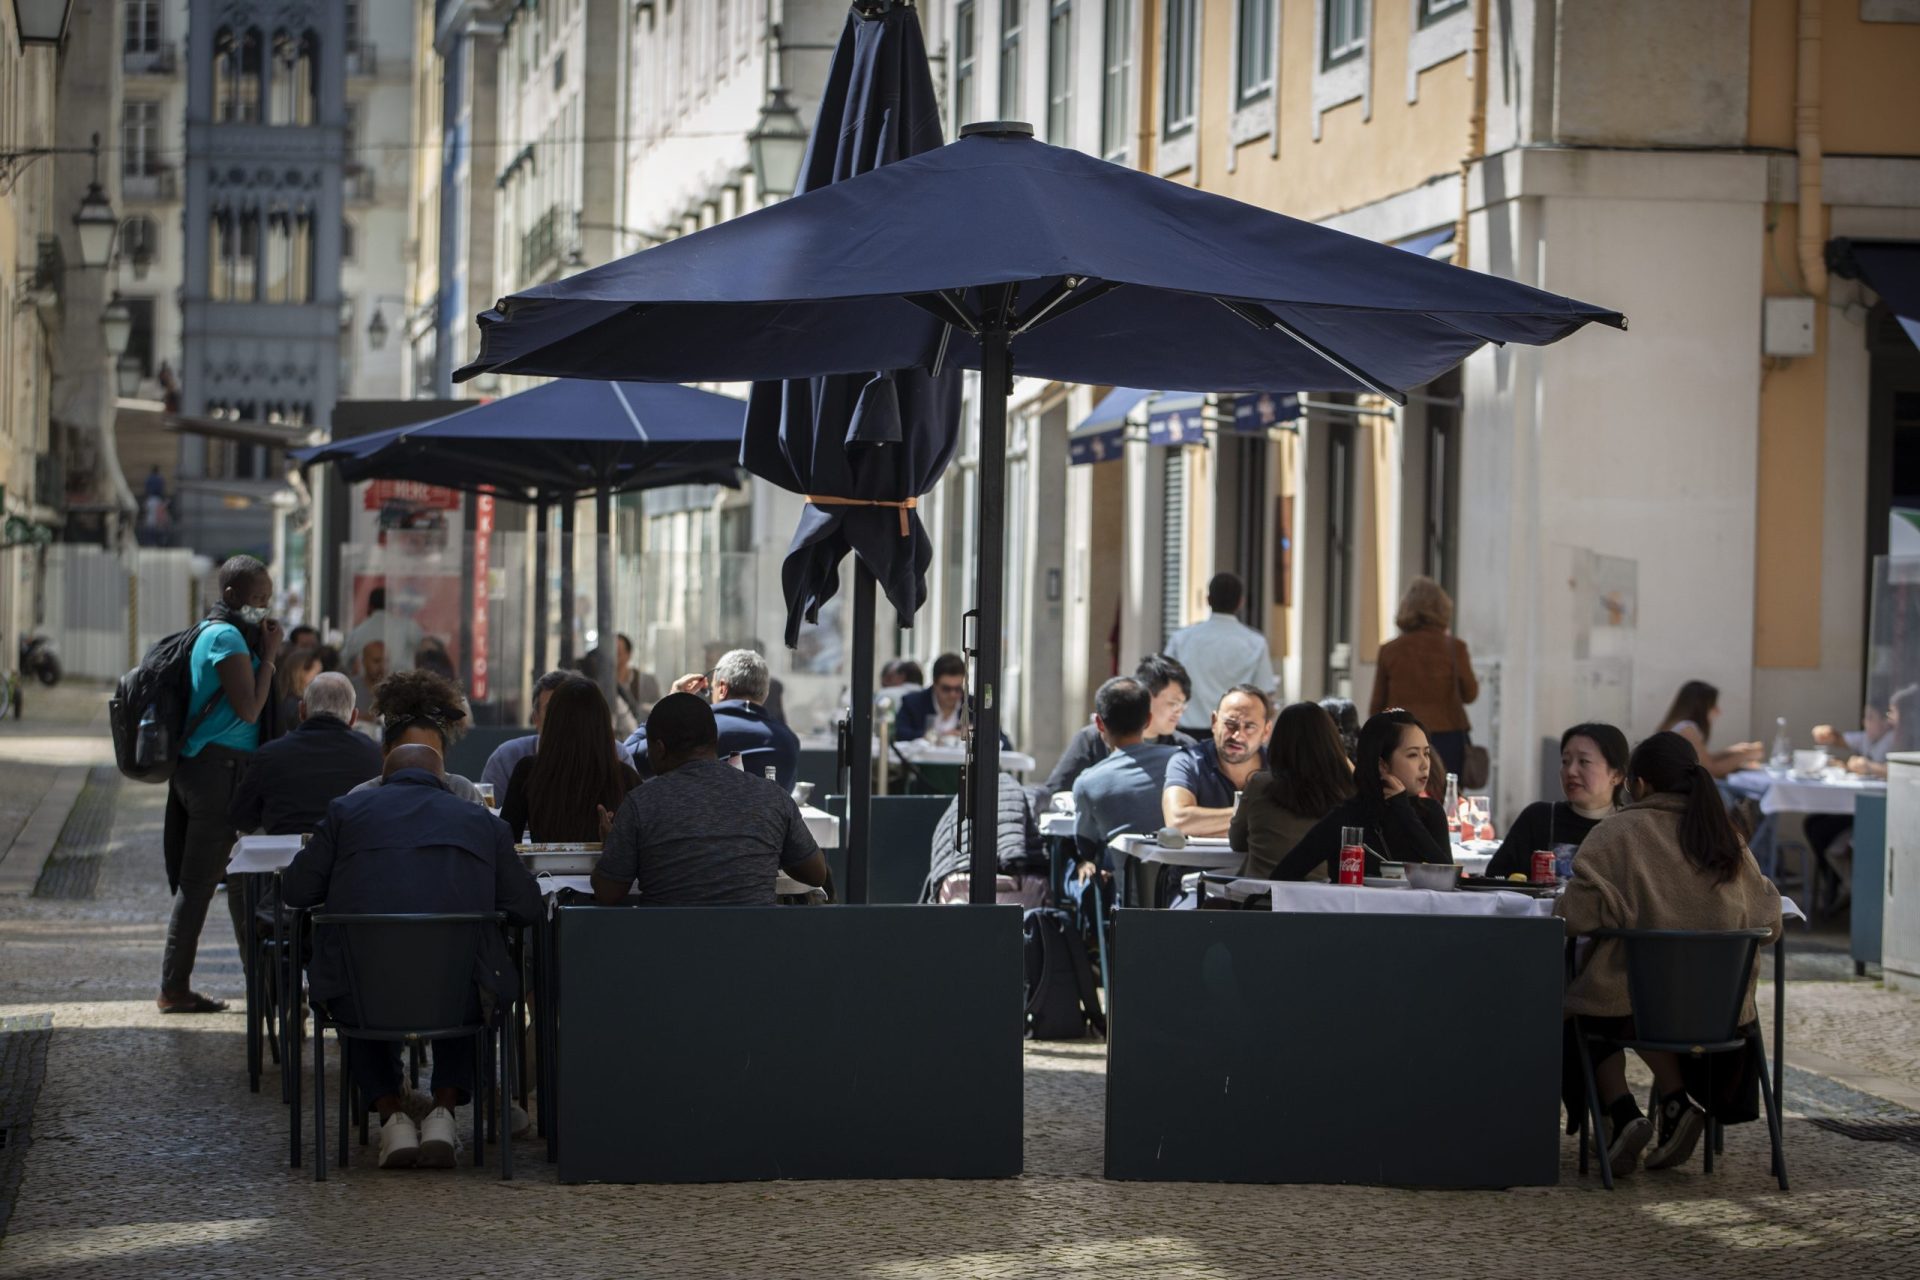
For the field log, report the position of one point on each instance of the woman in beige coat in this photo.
(1669, 860)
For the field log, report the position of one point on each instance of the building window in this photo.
(296, 78)
(1060, 72)
(234, 255)
(139, 138)
(1176, 72)
(1431, 11)
(965, 40)
(239, 76)
(140, 337)
(560, 69)
(289, 256)
(143, 26)
(352, 25)
(140, 240)
(1116, 78)
(1253, 68)
(1343, 28)
(346, 241)
(1440, 527)
(1342, 533)
(1173, 542)
(1013, 80)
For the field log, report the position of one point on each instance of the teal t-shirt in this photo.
(216, 642)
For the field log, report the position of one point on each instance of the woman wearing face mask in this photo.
(1401, 824)
(1593, 774)
(230, 712)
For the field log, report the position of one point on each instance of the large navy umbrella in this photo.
(553, 443)
(1001, 253)
(860, 446)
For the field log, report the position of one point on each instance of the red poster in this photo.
(482, 555)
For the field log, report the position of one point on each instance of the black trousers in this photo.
(203, 785)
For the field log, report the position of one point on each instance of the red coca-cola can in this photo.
(1542, 866)
(1353, 856)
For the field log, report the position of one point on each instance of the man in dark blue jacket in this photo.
(290, 781)
(739, 686)
(938, 708)
(411, 846)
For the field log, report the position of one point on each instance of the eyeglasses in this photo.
(956, 687)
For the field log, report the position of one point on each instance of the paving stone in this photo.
(151, 1159)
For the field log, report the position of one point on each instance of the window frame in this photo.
(1353, 46)
(147, 149)
(1429, 12)
(1013, 88)
(1060, 59)
(1178, 73)
(1262, 45)
(966, 70)
(1116, 79)
(152, 22)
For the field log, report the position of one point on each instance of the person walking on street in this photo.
(1220, 653)
(1427, 671)
(232, 673)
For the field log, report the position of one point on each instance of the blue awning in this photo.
(1170, 418)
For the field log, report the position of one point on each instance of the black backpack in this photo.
(148, 713)
(1062, 1001)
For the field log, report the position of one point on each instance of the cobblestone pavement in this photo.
(33, 748)
(146, 1156)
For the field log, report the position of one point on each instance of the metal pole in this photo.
(542, 535)
(569, 517)
(981, 805)
(860, 734)
(603, 588)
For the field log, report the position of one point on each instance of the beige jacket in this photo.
(1632, 874)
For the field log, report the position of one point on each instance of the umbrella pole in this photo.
(603, 589)
(543, 523)
(569, 510)
(980, 807)
(860, 734)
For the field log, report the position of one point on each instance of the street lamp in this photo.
(116, 322)
(41, 21)
(95, 222)
(377, 330)
(777, 145)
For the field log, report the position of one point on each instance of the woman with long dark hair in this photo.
(1593, 775)
(1401, 824)
(556, 793)
(1669, 860)
(1307, 775)
(1694, 709)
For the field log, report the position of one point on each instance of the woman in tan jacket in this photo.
(1428, 672)
(1669, 860)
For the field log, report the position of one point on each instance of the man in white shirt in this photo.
(1221, 652)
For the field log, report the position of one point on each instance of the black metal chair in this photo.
(410, 981)
(1686, 988)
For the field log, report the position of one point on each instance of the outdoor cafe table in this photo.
(1831, 791)
(253, 859)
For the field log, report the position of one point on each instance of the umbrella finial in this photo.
(997, 129)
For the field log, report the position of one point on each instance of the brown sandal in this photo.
(191, 1002)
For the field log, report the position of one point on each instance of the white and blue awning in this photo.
(1170, 418)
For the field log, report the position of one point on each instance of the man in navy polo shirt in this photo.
(739, 686)
(1202, 780)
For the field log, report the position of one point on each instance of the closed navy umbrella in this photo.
(859, 446)
(1001, 253)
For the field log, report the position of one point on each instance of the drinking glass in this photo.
(486, 794)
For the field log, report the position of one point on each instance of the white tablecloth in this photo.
(914, 752)
(822, 826)
(1057, 824)
(1200, 853)
(1834, 792)
(262, 855)
(1350, 899)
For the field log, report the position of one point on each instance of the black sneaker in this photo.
(1625, 1144)
(1681, 1124)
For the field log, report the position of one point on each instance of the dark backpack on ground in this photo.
(148, 713)
(1062, 1001)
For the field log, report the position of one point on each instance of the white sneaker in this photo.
(399, 1142)
(522, 1122)
(438, 1138)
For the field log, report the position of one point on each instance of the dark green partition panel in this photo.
(1249, 1046)
(728, 1044)
(901, 846)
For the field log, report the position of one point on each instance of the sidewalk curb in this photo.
(1897, 1092)
(20, 865)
